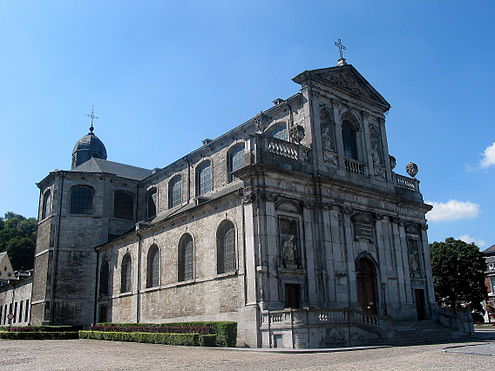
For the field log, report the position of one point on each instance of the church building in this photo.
(293, 224)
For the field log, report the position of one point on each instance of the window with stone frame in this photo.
(153, 267)
(123, 205)
(226, 247)
(104, 278)
(151, 202)
(81, 200)
(235, 162)
(292, 295)
(185, 263)
(175, 191)
(280, 132)
(289, 242)
(47, 205)
(125, 274)
(203, 177)
(350, 140)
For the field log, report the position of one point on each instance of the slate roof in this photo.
(98, 165)
(490, 250)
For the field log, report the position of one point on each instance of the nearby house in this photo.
(489, 305)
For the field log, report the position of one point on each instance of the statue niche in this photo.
(327, 126)
(289, 242)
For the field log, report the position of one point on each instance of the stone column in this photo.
(426, 263)
(309, 250)
(399, 257)
(338, 132)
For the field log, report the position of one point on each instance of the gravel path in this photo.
(107, 355)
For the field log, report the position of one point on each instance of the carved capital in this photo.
(397, 220)
(424, 227)
(335, 102)
(381, 120)
(378, 216)
(365, 115)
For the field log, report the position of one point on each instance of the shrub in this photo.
(40, 335)
(208, 340)
(143, 337)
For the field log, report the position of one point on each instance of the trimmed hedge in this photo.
(166, 329)
(65, 328)
(40, 335)
(148, 337)
(226, 331)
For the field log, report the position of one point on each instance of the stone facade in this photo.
(292, 224)
(15, 299)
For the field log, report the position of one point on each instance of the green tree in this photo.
(17, 238)
(20, 250)
(458, 273)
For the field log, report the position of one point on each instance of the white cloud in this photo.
(488, 156)
(452, 210)
(468, 239)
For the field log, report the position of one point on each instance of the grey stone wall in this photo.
(15, 298)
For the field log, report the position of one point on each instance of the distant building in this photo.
(489, 305)
(15, 294)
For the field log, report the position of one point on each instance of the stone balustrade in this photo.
(406, 183)
(355, 167)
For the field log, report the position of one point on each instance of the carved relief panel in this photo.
(364, 226)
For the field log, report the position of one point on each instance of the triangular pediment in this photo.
(346, 79)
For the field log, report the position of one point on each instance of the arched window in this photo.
(151, 202)
(123, 205)
(104, 275)
(280, 132)
(81, 200)
(349, 139)
(47, 205)
(235, 160)
(185, 258)
(152, 271)
(125, 274)
(203, 177)
(225, 247)
(175, 192)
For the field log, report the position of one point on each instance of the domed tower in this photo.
(88, 146)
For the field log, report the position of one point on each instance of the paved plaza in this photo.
(108, 355)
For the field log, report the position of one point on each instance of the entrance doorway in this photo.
(419, 295)
(366, 288)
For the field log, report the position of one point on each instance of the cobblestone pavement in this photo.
(108, 355)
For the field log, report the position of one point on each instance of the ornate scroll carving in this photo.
(261, 121)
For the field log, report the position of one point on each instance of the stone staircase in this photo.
(421, 332)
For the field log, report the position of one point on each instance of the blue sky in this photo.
(164, 75)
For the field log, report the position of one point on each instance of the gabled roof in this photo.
(347, 79)
(6, 270)
(98, 165)
(490, 250)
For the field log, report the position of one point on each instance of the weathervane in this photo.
(92, 117)
(341, 60)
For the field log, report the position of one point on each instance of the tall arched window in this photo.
(175, 192)
(151, 202)
(125, 274)
(47, 205)
(203, 176)
(185, 258)
(81, 200)
(152, 271)
(123, 205)
(104, 276)
(225, 247)
(235, 160)
(349, 139)
(280, 132)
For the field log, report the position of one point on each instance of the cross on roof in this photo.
(93, 117)
(341, 47)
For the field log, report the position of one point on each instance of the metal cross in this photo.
(341, 47)
(92, 117)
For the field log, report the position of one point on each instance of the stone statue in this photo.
(375, 155)
(326, 138)
(393, 162)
